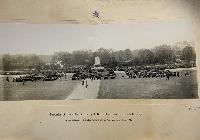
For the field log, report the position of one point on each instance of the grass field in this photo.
(41, 90)
(184, 87)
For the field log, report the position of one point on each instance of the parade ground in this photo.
(183, 87)
(154, 88)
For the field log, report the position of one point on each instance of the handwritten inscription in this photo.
(192, 107)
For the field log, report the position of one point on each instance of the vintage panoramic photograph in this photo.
(138, 60)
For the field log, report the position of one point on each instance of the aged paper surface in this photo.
(147, 119)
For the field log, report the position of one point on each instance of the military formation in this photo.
(150, 72)
(108, 73)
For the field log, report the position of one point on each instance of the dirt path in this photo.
(81, 92)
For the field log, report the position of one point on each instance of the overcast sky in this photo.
(50, 38)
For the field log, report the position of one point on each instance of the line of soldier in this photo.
(151, 74)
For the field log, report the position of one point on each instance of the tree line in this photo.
(163, 54)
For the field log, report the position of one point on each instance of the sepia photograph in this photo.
(99, 69)
(137, 60)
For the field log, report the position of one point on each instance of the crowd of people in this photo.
(31, 77)
(151, 72)
(94, 74)
(131, 73)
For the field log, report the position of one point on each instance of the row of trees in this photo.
(21, 62)
(163, 54)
